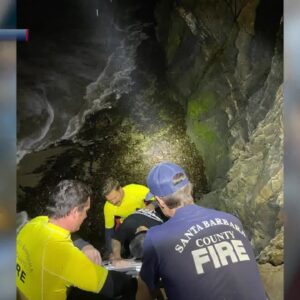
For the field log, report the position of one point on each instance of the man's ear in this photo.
(160, 202)
(73, 212)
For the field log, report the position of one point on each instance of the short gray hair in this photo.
(181, 197)
(67, 195)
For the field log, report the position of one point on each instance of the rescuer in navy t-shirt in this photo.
(198, 253)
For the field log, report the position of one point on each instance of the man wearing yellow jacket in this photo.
(48, 263)
(120, 203)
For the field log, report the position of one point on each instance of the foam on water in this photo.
(114, 81)
(26, 144)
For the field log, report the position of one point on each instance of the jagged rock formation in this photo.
(274, 251)
(224, 62)
(232, 72)
(254, 189)
(225, 66)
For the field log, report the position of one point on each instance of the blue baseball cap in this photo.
(162, 180)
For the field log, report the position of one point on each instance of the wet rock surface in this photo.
(254, 190)
(227, 72)
(274, 252)
(225, 65)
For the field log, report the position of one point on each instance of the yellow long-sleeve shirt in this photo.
(48, 263)
(134, 196)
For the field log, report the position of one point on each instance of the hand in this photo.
(121, 263)
(111, 257)
(93, 254)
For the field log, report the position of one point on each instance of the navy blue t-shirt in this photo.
(201, 254)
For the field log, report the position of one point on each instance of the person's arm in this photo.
(119, 285)
(78, 241)
(143, 292)
(116, 249)
(92, 253)
(109, 221)
(116, 258)
(108, 234)
(89, 250)
(66, 262)
(124, 233)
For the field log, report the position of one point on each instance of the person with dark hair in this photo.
(198, 253)
(129, 235)
(120, 203)
(48, 263)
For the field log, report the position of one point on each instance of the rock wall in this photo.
(225, 65)
(254, 190)
(254, 193)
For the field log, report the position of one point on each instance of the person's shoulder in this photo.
(61, 244)
(135, 187)
(108, 205)
(32, 225)
(159, 229)
(157, 235)
(38, 220)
